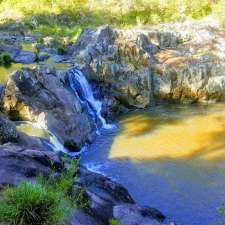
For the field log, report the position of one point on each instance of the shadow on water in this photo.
(175, 164)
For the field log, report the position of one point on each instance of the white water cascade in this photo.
(80, 85)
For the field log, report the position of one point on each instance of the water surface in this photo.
(169, 157)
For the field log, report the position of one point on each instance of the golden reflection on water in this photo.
(189, 136)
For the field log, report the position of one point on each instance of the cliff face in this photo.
(183, 62)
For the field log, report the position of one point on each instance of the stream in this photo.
(170, 157)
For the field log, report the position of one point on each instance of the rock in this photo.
(8, 131)
(2, 88)
(103, 193)
(131, 214)
(108, 200)
(12, 48)
(79, 217)
(93, 180)
(19, 163)
(134, 68)
(114, 60)
(25, 57)
(42, 56)
(187, 79)
(40, 95)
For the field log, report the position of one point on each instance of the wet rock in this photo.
(79, 217)
(41, 96)
(103, 193)
(43, 56)
(108, 200)
(131, 214)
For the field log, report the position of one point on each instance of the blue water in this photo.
(188, 190)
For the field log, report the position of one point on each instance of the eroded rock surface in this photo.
(183, 62)
(41, 96)
(19, 163)
(118, 64)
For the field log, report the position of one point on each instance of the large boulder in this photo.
(131, 214)
(41, 96)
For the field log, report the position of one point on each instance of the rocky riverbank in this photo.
(127, 69)
(24, 158)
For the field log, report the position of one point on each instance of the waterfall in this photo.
(80, 86)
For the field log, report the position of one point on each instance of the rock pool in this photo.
(169, 157)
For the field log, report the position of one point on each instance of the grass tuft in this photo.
(45, 202)
(32, 204)
(115, 222)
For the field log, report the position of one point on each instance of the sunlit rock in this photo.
(178, 62)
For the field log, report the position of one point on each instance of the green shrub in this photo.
(5, 58)
(80, 198)
(32, 204)
(61, 50)
(65, 184)
(45, 202)
(115, 222)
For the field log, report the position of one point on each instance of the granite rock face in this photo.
(179, 62)
(41, 96)
(117, 64)
(19, 163)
